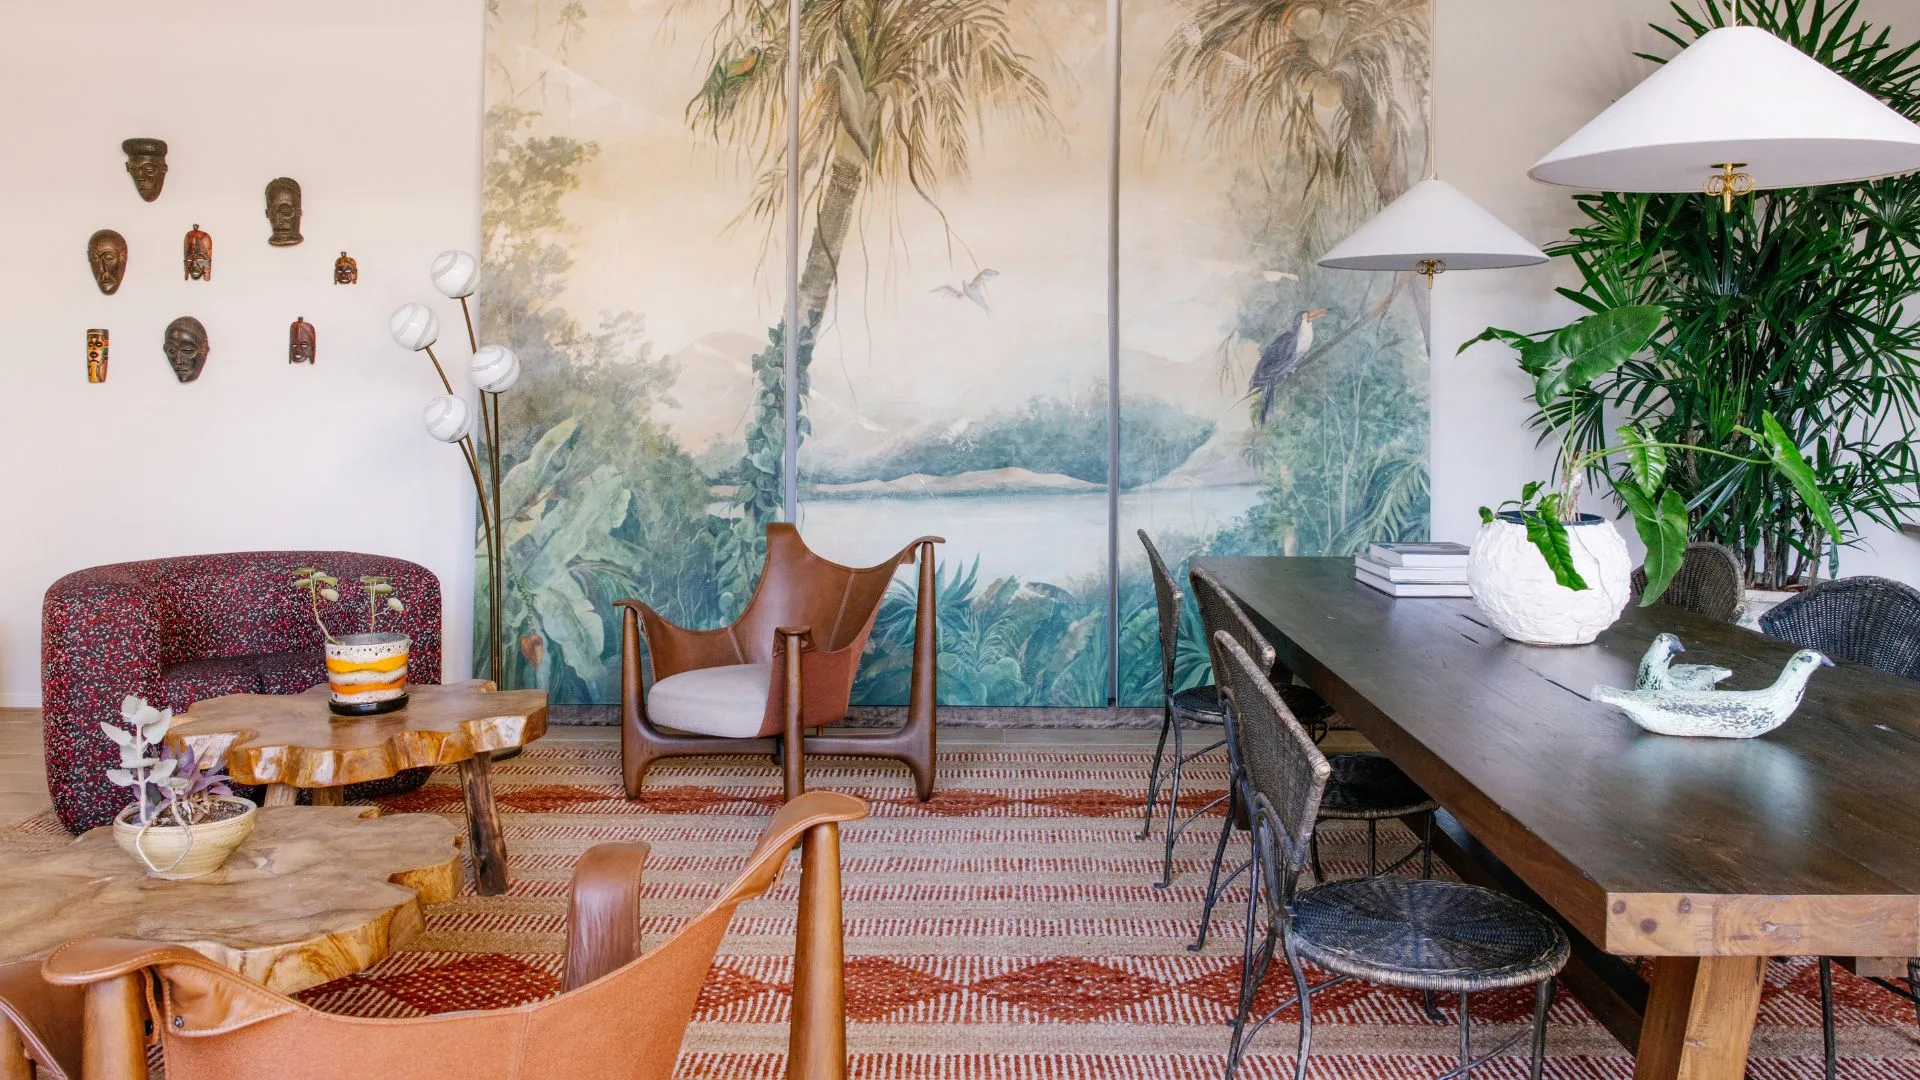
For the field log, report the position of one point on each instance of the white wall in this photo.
(1514, 78)
(374, 106)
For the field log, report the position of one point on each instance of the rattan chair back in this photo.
(1711, 582)
(1867, 620)
(1282, 764)
(1220, 614)
(1166, 593)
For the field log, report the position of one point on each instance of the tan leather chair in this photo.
(619, 1016)
(785, 666)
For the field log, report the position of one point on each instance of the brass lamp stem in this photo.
(1729, 184)
(436, 367)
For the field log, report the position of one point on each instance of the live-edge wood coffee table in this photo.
(315, 893)
(289, 742)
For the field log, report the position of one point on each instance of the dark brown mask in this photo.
(186, 347)
(303, 343)
(197, 251)
(107, 258)
(283, 211)
(147, 164)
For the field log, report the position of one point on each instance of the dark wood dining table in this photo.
(1706, 856)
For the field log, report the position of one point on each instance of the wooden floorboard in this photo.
(23, 772)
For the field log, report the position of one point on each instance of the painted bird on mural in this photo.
(1280, 356)
(974, 289)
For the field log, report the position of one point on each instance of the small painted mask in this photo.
(345, 270)
(186, 347)
(283, 211)
(197, 251)
(147, 164)
(107, 258)
(302, 342)
(96, 356)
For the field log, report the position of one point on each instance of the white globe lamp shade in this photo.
(495, 369)
(414, 327)
(1738, 96)
(1431, 228)
(448, 418)
(456, 274)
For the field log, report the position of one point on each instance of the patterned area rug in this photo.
(1007, 930)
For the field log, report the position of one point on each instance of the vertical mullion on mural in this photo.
(1110, 641)
(790, 341)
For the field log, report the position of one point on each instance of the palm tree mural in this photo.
(891, 93)
(1313, 89)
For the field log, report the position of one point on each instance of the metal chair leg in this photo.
(1176, 767)
(1313, 857)
(1542, 1001)
(1432, 1007)
(1213, 878)
(1466, 1036)
(1426, 846)
(1153, 774)
(1830, 1051)
(1913, 985)
(1247, 988)
(1373, 847)
(1306, 1014)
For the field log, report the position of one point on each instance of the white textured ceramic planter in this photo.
(367, 673)
(1515, 589)
(176, 852)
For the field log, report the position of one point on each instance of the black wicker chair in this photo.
(1865, 620)
(1195, 707)
(1407, 932)
(1364, 786)
(1710, 582)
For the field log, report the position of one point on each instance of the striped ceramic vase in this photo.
(367, 673)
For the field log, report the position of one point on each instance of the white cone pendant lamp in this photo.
(1431, 229)
(1739, 110)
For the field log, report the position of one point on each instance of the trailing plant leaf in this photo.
(1661, 522)
(1549, 534)
(1787, 458)
(1646, 458)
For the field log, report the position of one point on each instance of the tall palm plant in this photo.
(1314, 86)
(1795, 305)
(891, 93)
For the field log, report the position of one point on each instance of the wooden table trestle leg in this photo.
(1700, 1017)
(483, 826)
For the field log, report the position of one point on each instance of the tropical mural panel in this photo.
(1258, 133)
(954, 169)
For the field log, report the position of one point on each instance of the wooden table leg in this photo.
(329, 796)
(483, 826)
(817, 1036)
(113, 1045)
(1700, 1016)
(282, 795)
(13, 1053)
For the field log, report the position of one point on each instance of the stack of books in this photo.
(1432, 569)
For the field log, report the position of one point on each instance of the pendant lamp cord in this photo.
(1433, 85)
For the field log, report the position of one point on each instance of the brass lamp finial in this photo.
(1729, 184)
(1430, 269)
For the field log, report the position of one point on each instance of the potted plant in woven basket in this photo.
(185, 820)
(366, 673)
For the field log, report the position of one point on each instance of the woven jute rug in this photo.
(1007, 930)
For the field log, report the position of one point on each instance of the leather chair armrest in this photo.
(674, 649)
(603, 918)
(47, 1018)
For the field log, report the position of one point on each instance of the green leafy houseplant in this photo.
(1793, 307)
(320, 585)
(1563, 364)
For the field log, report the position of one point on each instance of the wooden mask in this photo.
(303, 343)
(107, 258)
(197, 252)
(345, 270)
(283, 211)
(186, 347)
(96, 356)
(147, 164)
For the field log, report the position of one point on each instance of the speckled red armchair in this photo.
(177, 631)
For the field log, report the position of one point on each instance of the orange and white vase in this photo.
(367, 673)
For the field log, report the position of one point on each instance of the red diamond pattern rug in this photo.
(1006, 930)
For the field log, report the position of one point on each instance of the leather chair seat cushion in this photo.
(729, 701)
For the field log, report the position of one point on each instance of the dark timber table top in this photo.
(1803, 841)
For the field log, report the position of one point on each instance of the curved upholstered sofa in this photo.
(177, 631)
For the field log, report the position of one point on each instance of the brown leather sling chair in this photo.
(620, 1015)
(784, 667)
